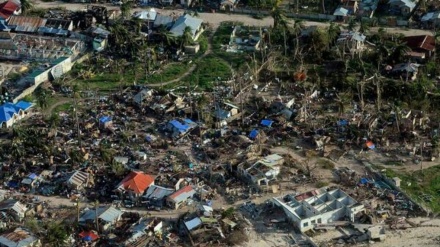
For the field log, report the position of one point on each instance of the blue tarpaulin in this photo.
(253, 134)
(105, 119)
(33, 176)
(342, 122)
(364, 181)
(13, 184)
(266, 122)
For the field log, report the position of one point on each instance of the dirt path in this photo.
(62, 101)
(193, 67)
(214, 19)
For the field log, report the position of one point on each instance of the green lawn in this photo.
(208, 70)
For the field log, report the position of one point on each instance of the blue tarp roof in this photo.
(266, 122)
(253, 134)
(24, 105)
(105, 119)
(33, 176)
(181, 127)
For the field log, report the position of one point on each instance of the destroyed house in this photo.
(56, 27)
(179, 128)
(140, 231)
(107, 216)
(179, 197)
(13, 208)
(26, 24)
(317, 207)
(244, 39)
(263, 171)
(20, 237)
(23, 46)
(351, 41)
(422, 46)
(225, 111)
(156, 195)
(78, 180)
(135, 183)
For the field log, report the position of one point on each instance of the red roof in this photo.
(8, 8)
(424, 42)
(137, 182)
(183, 190)
(89, 234)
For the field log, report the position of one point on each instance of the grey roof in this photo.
(406, 67)
(222, 114)
(186, 21)
(105, 213)
(18, 238)
(15, 205)
(149, 15)
(158, 192)
(163, 20)
(341, 11)
(403, 3)
(431, 16)
(191, 224)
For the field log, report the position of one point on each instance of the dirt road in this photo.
(214, 19)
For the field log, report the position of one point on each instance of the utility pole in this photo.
(96, 215)
(75, 109)
(77, 210)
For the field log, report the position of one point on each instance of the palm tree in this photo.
(333, 32)
(26, 5)
(352, 25)
(166, 35)
(400, 52)
(125, 9)
(279, 16)
(186, 38)
(42, 98)
(364, 27)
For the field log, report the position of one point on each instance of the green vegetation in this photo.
(420, 183)
(63, 107)
(209, 69)
(321, 184)
(326, 164)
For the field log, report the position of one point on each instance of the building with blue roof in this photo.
(10, 112)
(179, 128)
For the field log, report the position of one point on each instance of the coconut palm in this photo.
(279, 16)
(186, 38)
(26, 5)
(399, 52)
(126, 9)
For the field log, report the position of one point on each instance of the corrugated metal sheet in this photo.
(158, 192)
(111, 214)
(26, 24)
(18, 238)
(78, 178)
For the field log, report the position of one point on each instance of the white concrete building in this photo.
(318, 206)
(262, 171)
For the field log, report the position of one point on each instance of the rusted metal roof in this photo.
(26, 23)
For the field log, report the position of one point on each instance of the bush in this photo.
(320, 184)
(326, 164)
